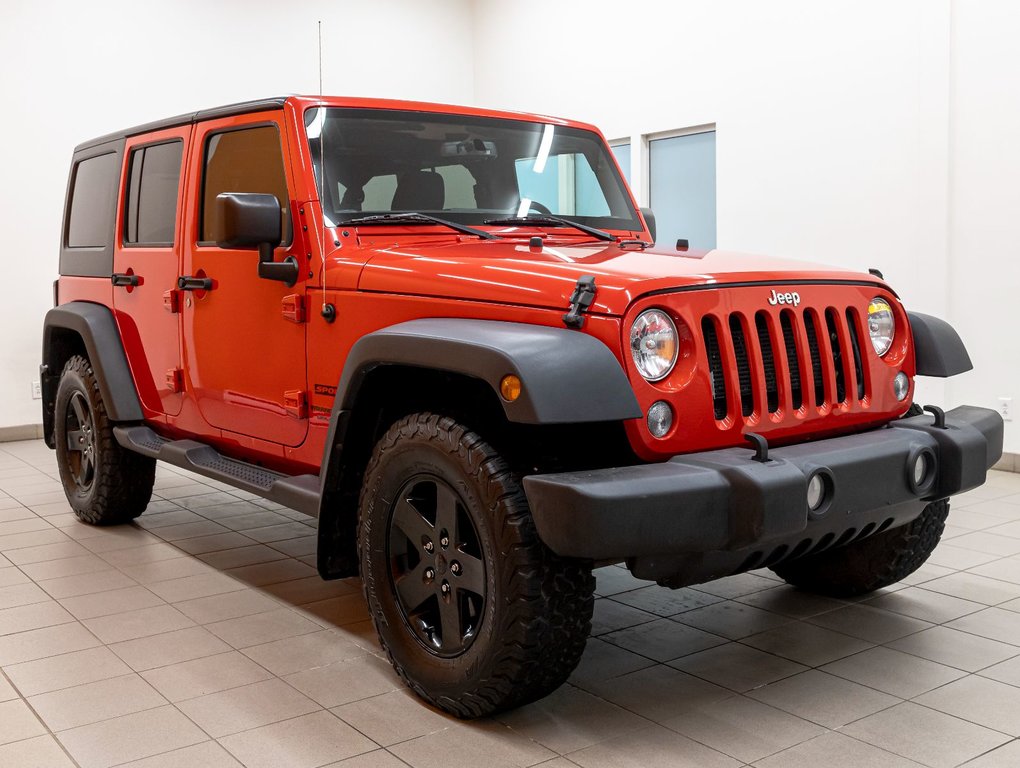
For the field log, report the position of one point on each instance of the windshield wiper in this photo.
(548, 220)
(413, 217)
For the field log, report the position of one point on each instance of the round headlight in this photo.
(881, 325)
(653, 344)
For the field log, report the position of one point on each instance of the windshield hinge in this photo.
(580, 300)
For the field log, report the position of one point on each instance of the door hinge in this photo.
(295, 402)
(175, 380)
(172, 301)
(294, 308)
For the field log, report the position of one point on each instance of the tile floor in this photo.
(202, 636)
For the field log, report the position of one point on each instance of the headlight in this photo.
(653, 344)
(881, 325)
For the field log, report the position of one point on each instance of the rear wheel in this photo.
(104, 483)
(475, 613)
(871, 563)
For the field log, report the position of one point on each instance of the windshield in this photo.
(463, 168)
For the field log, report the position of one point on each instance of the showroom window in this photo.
(621, 151)
(565, 184)
(90, 222)
(153, 182)
(681, 187)
(247, 160)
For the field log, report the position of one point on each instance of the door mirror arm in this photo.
(251, 220)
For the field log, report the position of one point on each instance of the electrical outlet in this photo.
(36, 391)
(1006, 408)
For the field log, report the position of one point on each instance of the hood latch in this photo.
(580, 300)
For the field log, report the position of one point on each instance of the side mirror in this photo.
(649, 221)
(253, 221)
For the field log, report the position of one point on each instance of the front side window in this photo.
(153, 181)
(463, 168)
(93, 197)
(246, 160)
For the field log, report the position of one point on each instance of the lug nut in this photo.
(430, 574)
(444, 542)
(446, 588)
(429, 547)
(455, 567)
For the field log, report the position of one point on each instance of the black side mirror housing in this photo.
(649, 221)
(253, 220)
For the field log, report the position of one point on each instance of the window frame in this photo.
(90, 261)
(126, 194)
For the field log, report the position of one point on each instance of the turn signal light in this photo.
(510, 388)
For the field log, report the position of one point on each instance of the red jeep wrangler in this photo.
(445, 332)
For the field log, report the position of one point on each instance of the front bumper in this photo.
(666, 517)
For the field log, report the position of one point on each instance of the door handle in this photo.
(123, 280)
(189, 283)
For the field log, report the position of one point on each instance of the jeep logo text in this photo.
(784, 298)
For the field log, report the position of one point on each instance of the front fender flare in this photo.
(938, 348)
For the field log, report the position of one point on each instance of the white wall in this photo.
(74, 70)
(838, 132)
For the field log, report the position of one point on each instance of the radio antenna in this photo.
(323, 197)
(320, 58)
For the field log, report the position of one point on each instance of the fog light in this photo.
(901, 386)
(920, 469)
(660, 418)
(815, 492)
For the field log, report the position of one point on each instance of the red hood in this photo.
(509, 272)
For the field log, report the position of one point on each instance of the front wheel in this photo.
(475, 613)
(871, 563)
(104, 483)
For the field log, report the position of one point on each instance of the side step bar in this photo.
(300, 492)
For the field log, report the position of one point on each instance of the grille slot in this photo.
(837, 355)
(855, 344)
(816, 357)
(768, 361)
(715, 367)
(790, 342)
(743, 366)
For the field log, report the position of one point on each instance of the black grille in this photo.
(715, 367)
(816, 357)
(790, 342)
(851, 323)
(768, 361)
(837, 355)
(743, 366)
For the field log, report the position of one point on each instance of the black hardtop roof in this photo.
(227, 110)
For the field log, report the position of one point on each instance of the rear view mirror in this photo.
(253, 220)
(649, 221)
(468, 148)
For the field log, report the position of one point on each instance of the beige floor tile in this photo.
(47, 552)
(164, 570)
(18, 541)
(738, 667)
(955, 649)
(302, 742)
(9, 575)
(834, 750)
(740, 585)
(151, 553)
(665, 602)
(250, 706)
(732, 620)
(92, 702)
(229, 605)
(40, 752)
(312, 589)
(264, 574)
(338, 611)
(393, 717)
(602, 660)
(306, 545)
(262, 628)
(980, 589)
(1007, 756)
(48, 641)
(979, 700)
(652, 747)
(467, 745)
(194, 587)
(191, 530)
(34, 616)
(69, 566)
(824, 699)
(7, 691)
(294, 654)
(663, 639)
(658, 693)
(207, 754)
(380, 758)
(993, 623)
(893, 672)
(925, 604)
(611, 616)
(806, 643)
(23, 525)
(281, 532)
(346, 681)
(108, 603)
(131, 737)
(21, 594)
(87, 583)
(791, 602)
(211, 674)
(217, 542)
(66, 670)
(143, 622)
(926, 736)
(869, 624)
(169, 648)
(744, 729)
(17, 722)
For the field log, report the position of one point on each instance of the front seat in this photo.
(419, 191)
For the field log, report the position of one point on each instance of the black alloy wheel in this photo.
(80, 430)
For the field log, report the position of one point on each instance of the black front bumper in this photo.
(713, 513)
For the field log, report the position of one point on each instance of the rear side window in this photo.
(151, 209)
(93, 198)
(248, 160)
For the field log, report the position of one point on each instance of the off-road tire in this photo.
(871, 563)
(538, 607)
(120, 483)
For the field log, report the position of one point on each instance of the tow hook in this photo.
(580, 300)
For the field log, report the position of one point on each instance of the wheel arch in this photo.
(84, 328)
